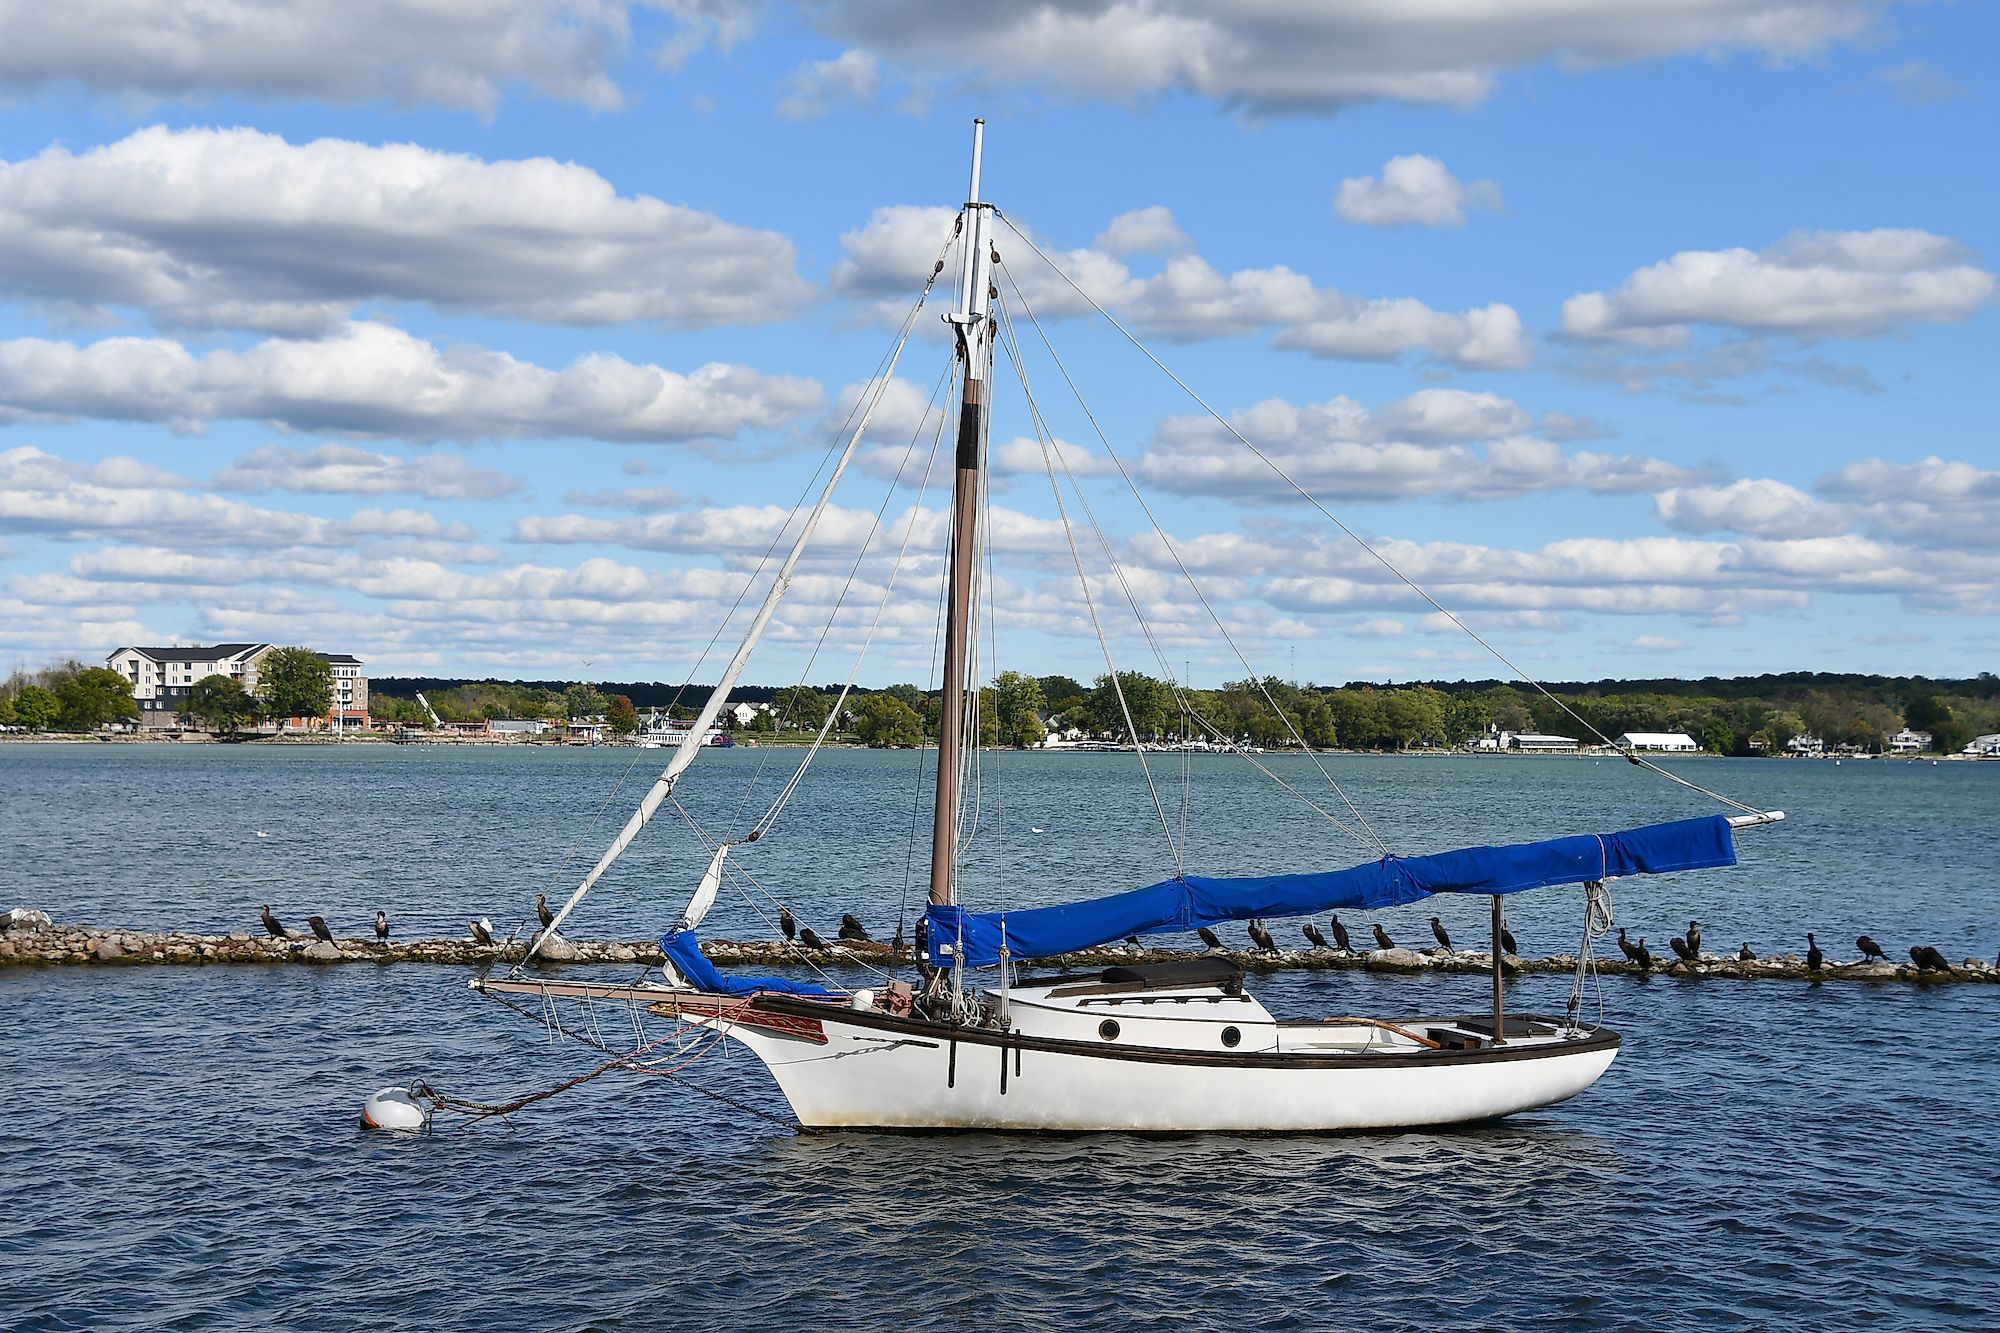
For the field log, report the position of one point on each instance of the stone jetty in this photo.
(30, 939)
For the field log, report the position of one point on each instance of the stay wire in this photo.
(1630, 756)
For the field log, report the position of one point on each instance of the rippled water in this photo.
(178, 1148)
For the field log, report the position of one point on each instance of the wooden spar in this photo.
(1499, 1003)
(976, 361)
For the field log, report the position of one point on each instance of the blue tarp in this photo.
(1195, 900)
(684, 952)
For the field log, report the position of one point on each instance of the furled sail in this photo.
(684, 955)
(1192, 901)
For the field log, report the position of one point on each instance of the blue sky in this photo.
(502, 337)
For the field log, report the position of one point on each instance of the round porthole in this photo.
(1231, 1036)
(1108, 1029)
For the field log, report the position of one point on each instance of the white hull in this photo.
(866, 1078)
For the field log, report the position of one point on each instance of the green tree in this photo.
(295, 682)
(801, 708)
(1017, 701)
(89, 697)
(1926, 712)
(884, 720)
(763, 723)
(35, 708)
(584, 700)
(219, 702)
(1150, 700)
(1718, 738)
(7, 718)
(622, 717)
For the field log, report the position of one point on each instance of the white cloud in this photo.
(1143, 231)
(342, 469)
(1931, 502)
(820, 86)
(1758, 508)
(374, 380)
(454, 53)
(1441, 443)
(1656, 643)
(1186, 300)
(1810, 285)
(1317, 58)
(240, 229)
(1414, 190)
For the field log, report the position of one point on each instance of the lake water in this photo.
(179, 1148)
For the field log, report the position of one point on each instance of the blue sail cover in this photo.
(1195, 900)
(683, 950)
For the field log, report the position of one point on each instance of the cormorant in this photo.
(1382, 940)
(542, 911)
(811, 940)
(1694, 939)
(1683, 951)
(1743, 955)
(1642, 955)
(271, 924)
(1870, 949)
(1313, 936)
(482, 933)
(1507, 941)
(1210, 938)
(1262, 938)
(1626, 947)
(1133, 940)
(381, 924)
(319, 930)
(1928, 959)
(1815, 960)
(787, 924)
(1437, 929)
(1340, 935)
(851, 928)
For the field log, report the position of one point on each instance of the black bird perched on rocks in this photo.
(811, 940)
(1870, 949)
(1313, 936)
(1743, 955)
(318, 924)
(1262, 937)
(787, 924)
(381, 924)
(1210, 938)
(1928, 959)
(852, 929)
(1133, 940)
(1642, 955)
(1507, 941)
(1815, 960)
(548, 918)
(1340, 935)
(481, 932)
(272, 924)
(1382, 940)
(1626, 947)
(1694, 939)
(1437, 929)
(899, 946)
(1683, 951)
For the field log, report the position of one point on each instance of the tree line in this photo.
(1747, 715)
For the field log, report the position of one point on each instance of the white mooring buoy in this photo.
(395, 1109)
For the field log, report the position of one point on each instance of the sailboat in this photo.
(978, 1041)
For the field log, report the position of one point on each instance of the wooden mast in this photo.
(975, 352)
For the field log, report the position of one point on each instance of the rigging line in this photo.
(763, 825)
(1631, 756)
(649, 805)
(1049, 457)
(1372, 839)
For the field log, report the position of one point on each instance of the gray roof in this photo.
(189, 653)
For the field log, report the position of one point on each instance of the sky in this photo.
(507, 337)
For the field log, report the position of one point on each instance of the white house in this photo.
(1909, 742)
(746, 713)
(1673, 742)
(162, 677)
(1806, 745)
(1986, 747)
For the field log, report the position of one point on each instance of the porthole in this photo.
(1108, 1029)
(1231, 1036)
